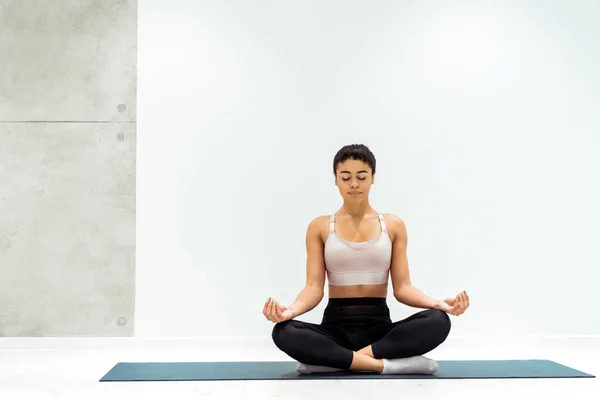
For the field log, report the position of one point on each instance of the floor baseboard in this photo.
(180, 343)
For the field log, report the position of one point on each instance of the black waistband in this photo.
(357, 301)
(361, 310)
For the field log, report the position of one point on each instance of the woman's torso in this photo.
(368, 229)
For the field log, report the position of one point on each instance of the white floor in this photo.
(74, 374)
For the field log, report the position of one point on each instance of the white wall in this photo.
(483, 116)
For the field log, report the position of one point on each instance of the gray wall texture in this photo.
(67, 167)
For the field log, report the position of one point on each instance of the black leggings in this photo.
(349, 325)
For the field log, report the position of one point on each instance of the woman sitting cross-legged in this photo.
(359, 249)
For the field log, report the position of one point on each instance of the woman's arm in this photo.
(404, 291)
(313, 291)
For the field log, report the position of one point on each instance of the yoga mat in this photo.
(285, 370)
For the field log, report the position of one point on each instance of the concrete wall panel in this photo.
(67, 229)
(68, 60)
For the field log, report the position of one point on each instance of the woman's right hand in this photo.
(457, 305)
(275, 312)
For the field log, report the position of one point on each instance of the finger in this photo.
(272, 311)
(459, 306)
(271, 307)
(276, 312)
(467, 299)
(265, 306)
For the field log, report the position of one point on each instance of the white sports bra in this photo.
(357, 263)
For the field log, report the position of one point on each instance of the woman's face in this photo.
(354, 179)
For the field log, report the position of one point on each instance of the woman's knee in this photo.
(441, 324)
(283, 334)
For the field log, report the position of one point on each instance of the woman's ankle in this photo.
(367, 351)
(363, 362)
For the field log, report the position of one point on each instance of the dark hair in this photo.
(358, 152)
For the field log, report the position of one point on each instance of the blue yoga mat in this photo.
(284, 370)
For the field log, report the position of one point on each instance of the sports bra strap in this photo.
(382, 222)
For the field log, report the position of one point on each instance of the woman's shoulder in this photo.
(319, 222)
(319, 227)
(392, 218)
(394, 223)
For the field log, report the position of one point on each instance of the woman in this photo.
(359, 249)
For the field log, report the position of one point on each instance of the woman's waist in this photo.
(356, 310)
(373, 301)
(358, 291)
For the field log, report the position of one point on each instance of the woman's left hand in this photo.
(455, 306)
(275, 312)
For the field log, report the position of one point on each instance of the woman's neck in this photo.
(357, 210)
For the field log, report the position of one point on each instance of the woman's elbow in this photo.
(401, 291)
(317, 289)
